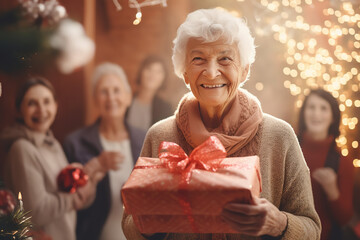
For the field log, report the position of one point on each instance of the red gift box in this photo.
(161, 199)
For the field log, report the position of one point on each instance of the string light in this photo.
(138, 6)
(322, 54)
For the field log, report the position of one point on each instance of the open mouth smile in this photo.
(212, 86)
(39, 120)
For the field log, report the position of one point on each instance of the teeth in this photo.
(213, 86)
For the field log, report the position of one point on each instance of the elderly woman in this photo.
(115, 145)
(213, 52)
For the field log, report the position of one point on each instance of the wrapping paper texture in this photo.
(153, 195)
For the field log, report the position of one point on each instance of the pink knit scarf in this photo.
(238, 127)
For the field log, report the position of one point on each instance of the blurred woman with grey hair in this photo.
(213, 52)
(115, 145)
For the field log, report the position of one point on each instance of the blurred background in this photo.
(301, 44)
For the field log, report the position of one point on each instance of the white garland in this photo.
(76, 49)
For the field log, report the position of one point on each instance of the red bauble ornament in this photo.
(70, 178)
(7, 202)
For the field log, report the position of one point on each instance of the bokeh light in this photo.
(319, 52)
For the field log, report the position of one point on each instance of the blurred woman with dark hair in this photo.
(35, 159)
(331, 174)
(147, 107)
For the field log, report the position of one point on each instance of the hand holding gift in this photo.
(255, 220)
(73, 179)
(180, 193)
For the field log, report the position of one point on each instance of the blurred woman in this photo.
(34, 160)
(332, 175)
(147, 107)
(114, 144)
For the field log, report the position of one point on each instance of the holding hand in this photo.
(85, 195)
(97, 167)
(327, 178)
(262, 218)
(110, 160)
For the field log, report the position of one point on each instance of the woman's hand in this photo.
(110, 160)
(262, 218)
(85, 195)
(97, 167)
(327, 178)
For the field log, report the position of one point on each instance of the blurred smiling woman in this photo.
(112, 144)
(34, 160)
(332, 175)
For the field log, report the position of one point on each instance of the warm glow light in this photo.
(324, 54)
(259, 86)
(348, 103)
(356, 163)
(344, 152)
(287, 84)
(355, 88)
(342, 107)
(357, 103)
(137, 21)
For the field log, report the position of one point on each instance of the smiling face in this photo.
(318, 116)
(38, 108)
(213, 71)
(111, 97)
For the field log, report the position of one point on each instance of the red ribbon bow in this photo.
(207, 156)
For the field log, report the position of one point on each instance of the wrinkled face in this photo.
(213, 71)
(153, 76)
(111, 97)
(318, 115)
(38, 108)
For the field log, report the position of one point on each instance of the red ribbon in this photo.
(207, 156)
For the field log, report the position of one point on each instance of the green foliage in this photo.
(15, 226)
(23, 42)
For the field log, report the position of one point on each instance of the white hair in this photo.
(211, 25)
(110, 68)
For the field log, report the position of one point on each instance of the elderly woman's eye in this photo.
(197, 59)
(225, 59)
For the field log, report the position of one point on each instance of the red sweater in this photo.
(341, 210)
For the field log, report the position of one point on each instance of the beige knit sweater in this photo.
(284, 173)
(33, 162)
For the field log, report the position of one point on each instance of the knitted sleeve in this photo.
(25, 176)
(297, 198)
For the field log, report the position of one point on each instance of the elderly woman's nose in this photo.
(111, 95)
(211, 70)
